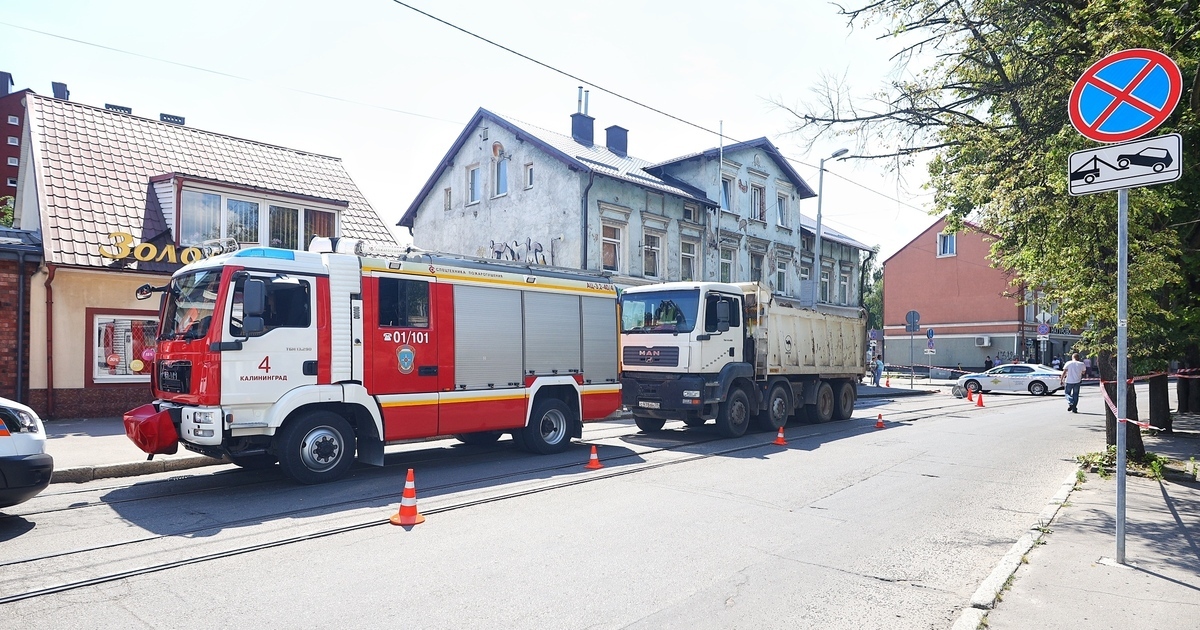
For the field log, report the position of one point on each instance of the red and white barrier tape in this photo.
(1113, 407)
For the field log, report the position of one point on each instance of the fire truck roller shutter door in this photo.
(487, 338)
(599, 340)
(553, 337)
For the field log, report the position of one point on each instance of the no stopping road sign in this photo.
(1125, 95)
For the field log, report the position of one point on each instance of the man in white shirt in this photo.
(1072, 376)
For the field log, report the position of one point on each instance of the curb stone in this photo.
(81, 474)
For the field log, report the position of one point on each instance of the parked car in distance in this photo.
(1014, 377)
(25, 468)
(1156, 158)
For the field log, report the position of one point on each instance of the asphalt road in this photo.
(848, 526)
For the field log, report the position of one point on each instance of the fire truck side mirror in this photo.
(254, 298)
(253, 326)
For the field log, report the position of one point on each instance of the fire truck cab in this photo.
(309, 358)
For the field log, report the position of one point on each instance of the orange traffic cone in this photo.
(408, 514)
(979, 400)
(779, 441)
(970, 398)
(879, 422)
(594, 461)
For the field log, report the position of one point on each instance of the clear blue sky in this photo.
(388, 89)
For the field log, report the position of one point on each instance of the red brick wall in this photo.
(9, 294)
(96, 402)
(10, 106)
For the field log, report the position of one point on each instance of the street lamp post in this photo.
(817, 240)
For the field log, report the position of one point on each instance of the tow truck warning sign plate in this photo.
(1126, 165)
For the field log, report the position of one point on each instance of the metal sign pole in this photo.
(1122, 353)
(911, 360)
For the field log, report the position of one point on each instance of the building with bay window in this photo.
(119, 201)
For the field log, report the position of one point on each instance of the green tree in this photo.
(988, 100)
(6, 211)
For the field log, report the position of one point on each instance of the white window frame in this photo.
(615, 243)
(947, 245)
(825, 288)
(805, 272)
(528, 175)
(781, 270)
(726, 193)
(265, 202)
(844, 288)
(651, 255)
(447, 199)
(13, 120)
(781, 210)
(500, 177)
(691, 212)
(99, 368)
(474, 185)
(12, 182)
(687, 260)
(12, 161)
(727, 272)
(13, 141)
(758, 203)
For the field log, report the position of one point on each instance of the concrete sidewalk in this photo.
(95, 448)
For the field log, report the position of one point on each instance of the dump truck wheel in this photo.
(823, 409)
(733, 418)
(778, 407)
(844, 403)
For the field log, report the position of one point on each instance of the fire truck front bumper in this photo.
(202, 425)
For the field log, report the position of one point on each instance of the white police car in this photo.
(25, 468)
(1014, 377)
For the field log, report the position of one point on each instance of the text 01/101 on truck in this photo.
(309, 358)
(697, 351)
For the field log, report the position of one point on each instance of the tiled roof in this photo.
(596, 158)
(94, 168)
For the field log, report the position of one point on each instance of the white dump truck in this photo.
(699, 351)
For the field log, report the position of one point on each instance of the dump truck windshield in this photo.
(660, 311)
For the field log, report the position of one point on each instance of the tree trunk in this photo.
(1182, 395)
(1133, 434)
(1160, 403)
(1193, 394)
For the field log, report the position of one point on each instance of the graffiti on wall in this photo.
(530, 251)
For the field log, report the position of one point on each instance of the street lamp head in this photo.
(839, 153)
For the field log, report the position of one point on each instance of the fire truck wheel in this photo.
(649, 425)
(823, 410)
(844, 403)
(775, 414)
(733, 418)
(480, 438)
(316, 447)
(549, 429)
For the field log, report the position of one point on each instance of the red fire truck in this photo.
(307, 358)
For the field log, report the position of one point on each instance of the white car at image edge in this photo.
(25, 468)
(1038, 380)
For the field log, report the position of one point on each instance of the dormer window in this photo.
(210, 215)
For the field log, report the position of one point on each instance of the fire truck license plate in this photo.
(647, 404)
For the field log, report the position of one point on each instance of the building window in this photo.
(529, 175)
(756, 267)
(726, 194)
(946, 245)
(12, 182)
(611, 248)
(726, 265)
(758, 203)
(824, 285)
(650, 249)
(288, 305)
(687, 261)
(122, 348)
(690, 212)
(806, 243)
(13, 120)
(403, 303)
(844, 289)
(781, 276)
(446, 199)
(501, 177)
(781, 211)
(805, 273)
(12, 161)
(211, 216)
(12, 140)
(474, 186)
